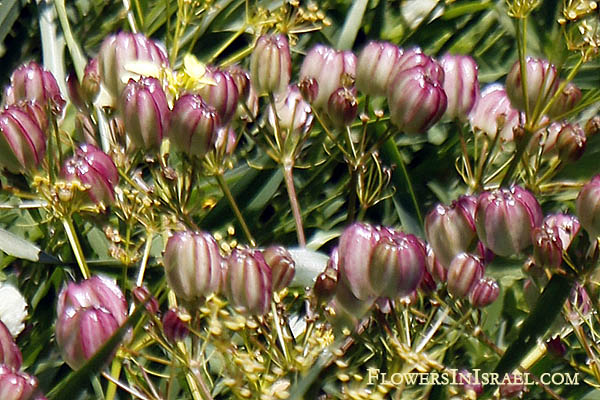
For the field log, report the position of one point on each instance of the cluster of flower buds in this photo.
(88, 313)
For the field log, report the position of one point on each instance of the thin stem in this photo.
(411, 190)
(522, 47)
(115, 371)
(130, 16)
(225, 189)
(352, 193)
(279, 331)
(76, 246)
(467, 161)
(79, 60)
(289, 183)
(521, 147)
(142, 271)
(227, 44)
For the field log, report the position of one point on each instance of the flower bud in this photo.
(226, 140)
(10, 355)
(450, 230)
(567, 100)
(511, 387)
(22, 142)
(294, 114)
(325, 285)
(145, 112)
(355, 249)
(416, 101)
(16, 385)
(74, 91)
(90, 84)
(283, 266)
(34, 83)
(223, 95)
(592, 127)
(434, 267)
(91, 166)
(342, 107)
(428, 284)
(241, 78)
(193, 125)
(141, 294)
(547, 247)
(193, 265)
(484, 293)
(567, 225)
(556, 347)
(541, 81)
(547, 138)
(464, 273)
(505, 218)
(309, 89)
(271, 64)
(571, 143)
(175, 324)
(461, 85)
(415, 57)
(587, 207)
(119, 55)
(81, 333)
(493, 114)
(374, 67)
(469, 383)
(248, 281)
(331, 69)
(397, 265)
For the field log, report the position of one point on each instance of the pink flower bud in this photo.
(141, 294)
(22, 142)
(90, 84)
(505, 219)
(493, 114)
(294, 114)
(271, 64)
(541, 81)
(511, 386)
(567, 100)
(193, 125)
(309, 89)
(415, 57)
(223, 95)
(434, 267)
(416, 101)
(469, 382)
(18, 385)
(567, 225)
(592, 126)
(10, 355)
(118, 55)
(587, 207)
(461, 85)
(193, 265)
(241, 78)
(342, 107)
(355, 249)
(571, 142)
(175, 326)
(34, 83)
(326, 285)
(547, 247)
(464, 273)
(450, 230)
(331, 69)
(283, 266)
(248, 281)
(91, 166)
(546, 137)
(374, 67)
(145, 112)
(556, 347)
(226, 140)
(484, 293)
(397, 265)
(428, 284)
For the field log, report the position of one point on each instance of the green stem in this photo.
(467, 161)
(352, 194)
(142, 271)
(521, 147)
(79, 60)
(226, 44)
(522, 48)
(289, 184)
(76, 246)
(115, 371)
(225, 189)
(410, 188)
(279, 331)
(130, 16)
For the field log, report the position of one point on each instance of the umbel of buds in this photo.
(416, 101)
(91, 166)
(588, 207)
(461, 85)
(493, 114)
(193, 125)
(223, 95)
(450, 230)
(145, 112)
(248, 282)
(374, 67)
(464, 273)
(34, 83)
(271, 64)
(541, 83)
(283, 266)
(10, 355)
(505, 219)
(22, 141)
(193, 265)
(16, 385)
(87, 315)
(119, 55)
(331, 69)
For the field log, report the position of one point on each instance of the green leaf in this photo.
(352, 25)
(18, 247)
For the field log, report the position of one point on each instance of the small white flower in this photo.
(13, 308)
